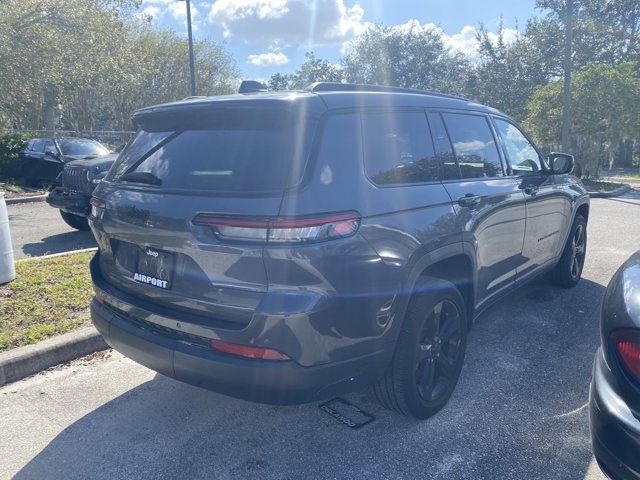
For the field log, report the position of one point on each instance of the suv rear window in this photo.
(239, 154)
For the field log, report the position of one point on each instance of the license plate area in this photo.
(154, 267)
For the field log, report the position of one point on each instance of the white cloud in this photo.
(149, 12)
(268, 59)
(176, 10)
(310, 22)
(464, 41)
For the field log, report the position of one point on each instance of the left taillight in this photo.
(627, 345)
(281, 230)
(97, 207)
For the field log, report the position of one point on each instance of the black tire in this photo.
(75, 221)
(425, 368)
(568, 271)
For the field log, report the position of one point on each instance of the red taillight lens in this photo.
(630, 354)
(248, 352)
(627, 343)
(282, 230)
(97, 207)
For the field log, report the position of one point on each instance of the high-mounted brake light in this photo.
(248, 352)
(281, 230)
(97, 207)
(627, 343)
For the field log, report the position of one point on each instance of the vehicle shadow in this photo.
(518, 412)
(62, 242)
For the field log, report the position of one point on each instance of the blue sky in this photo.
(268, 36)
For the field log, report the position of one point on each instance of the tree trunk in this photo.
(50, 114)
(566, 88)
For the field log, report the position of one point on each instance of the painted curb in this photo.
(613, 193)
(32, 199)
(21, 362)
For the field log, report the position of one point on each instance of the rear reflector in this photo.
(281, 230)
(248, 352)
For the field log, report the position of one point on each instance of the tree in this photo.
(507, 73)
(312, 70)
(411, 56)
(87, 64)
(606, 113)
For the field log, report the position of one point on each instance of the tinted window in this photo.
(49, 146)
(81, 147)
(38, 145)
(473, 145)
(444, 151)
(522, 157)
(142, 144)
(398, 148)
(243, 154)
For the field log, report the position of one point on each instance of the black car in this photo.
(76, 182)
(42, 159)
(614, 404)
(291, 246)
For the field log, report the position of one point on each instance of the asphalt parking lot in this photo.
(37, 229)
(519, 410)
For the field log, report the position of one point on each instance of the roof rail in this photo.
(358, 87)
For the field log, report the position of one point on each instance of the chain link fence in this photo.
(110, 138)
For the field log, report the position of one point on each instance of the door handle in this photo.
(531, 190)
(470, 200)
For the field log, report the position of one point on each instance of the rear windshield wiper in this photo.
(141, 177)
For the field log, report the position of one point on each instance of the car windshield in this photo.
(82, 147)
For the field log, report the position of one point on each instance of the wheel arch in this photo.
(455, 263)
(583, 210)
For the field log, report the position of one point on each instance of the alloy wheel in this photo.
(578, 249)
(439, 351)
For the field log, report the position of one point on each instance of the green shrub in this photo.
(11, 144)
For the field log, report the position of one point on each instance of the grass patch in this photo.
(49, 296)
(13, 190)
(594, 186)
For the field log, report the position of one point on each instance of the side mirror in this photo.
(51, 152)
(560, 163)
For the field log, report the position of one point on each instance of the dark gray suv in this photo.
(285, 247)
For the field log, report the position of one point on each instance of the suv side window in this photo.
(398, 148)
(444, 151)
(474, 145)
(29, 146)
(522, 156)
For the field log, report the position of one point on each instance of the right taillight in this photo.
(627, 345)
(281, 230)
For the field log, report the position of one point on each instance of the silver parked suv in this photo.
(285, 247)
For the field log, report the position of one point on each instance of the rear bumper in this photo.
(70, 201)
(177, 345)
(273, 382)
(615, 427)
